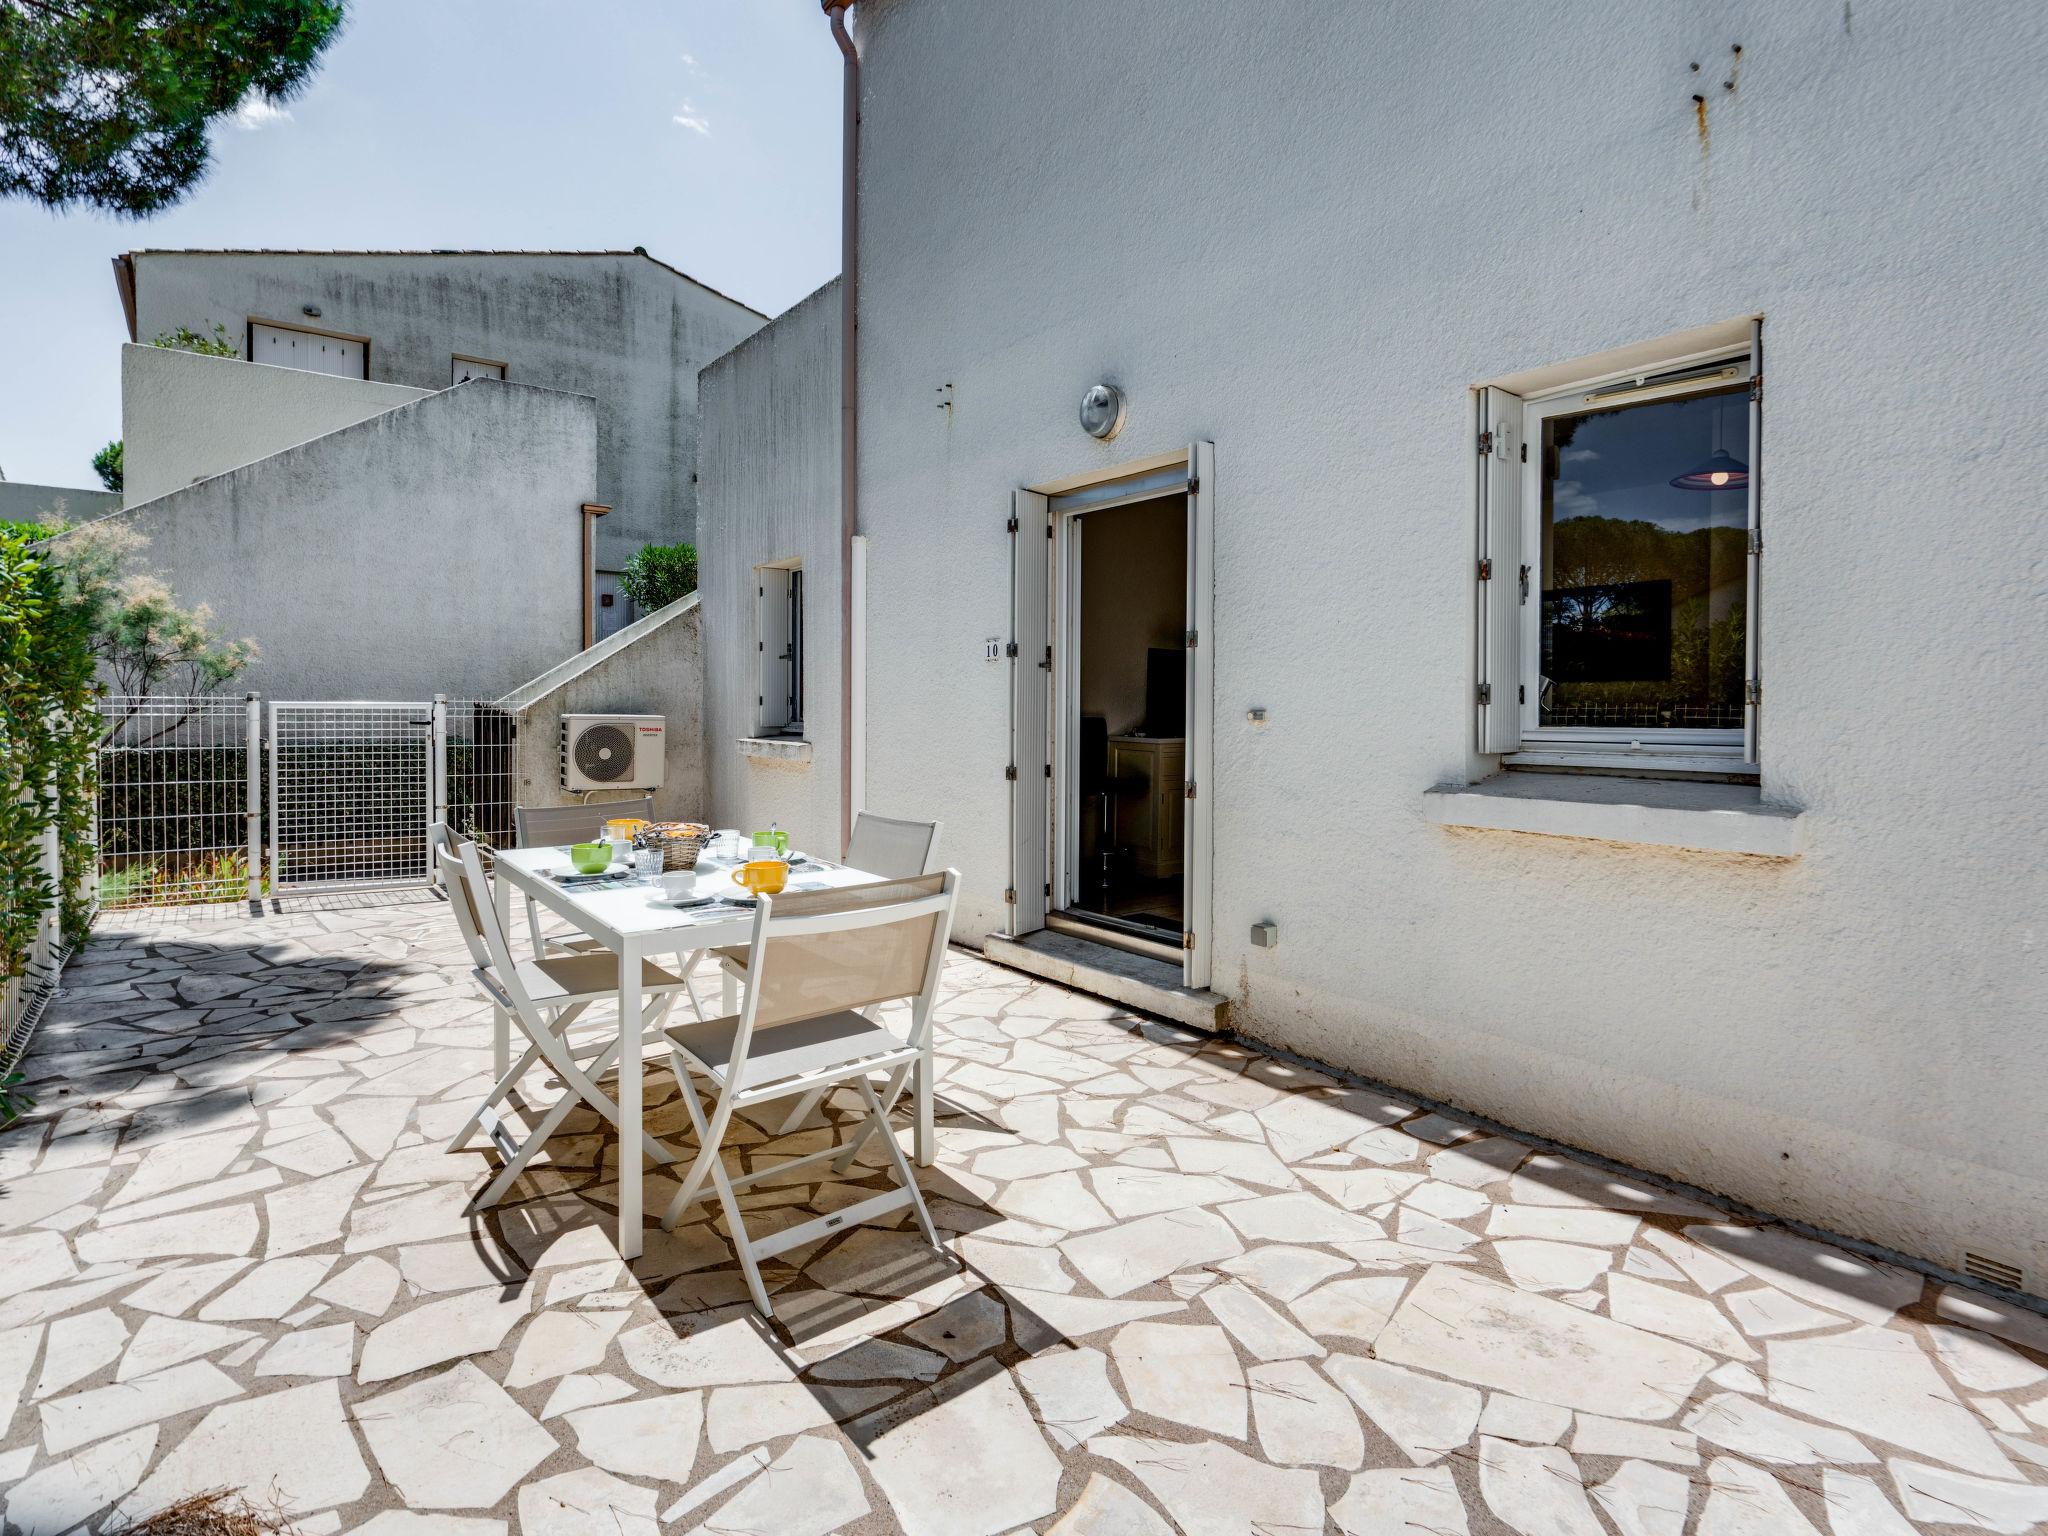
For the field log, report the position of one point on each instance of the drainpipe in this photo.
(592, 511)
(849, 396)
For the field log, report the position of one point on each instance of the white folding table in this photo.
(635, 922)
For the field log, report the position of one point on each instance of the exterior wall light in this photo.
(1102, 411)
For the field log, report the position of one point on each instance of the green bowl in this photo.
(591, 858)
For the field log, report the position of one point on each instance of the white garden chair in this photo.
(880, 845)
(816, 959)
(544, 996)
(564, 824)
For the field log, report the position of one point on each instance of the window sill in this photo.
(776, 749)
(1715, 818)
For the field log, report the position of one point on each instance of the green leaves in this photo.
(659, 574)
(49, 740)
(108, 102)
(107, 465)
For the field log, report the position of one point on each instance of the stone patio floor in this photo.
(1189, 1288)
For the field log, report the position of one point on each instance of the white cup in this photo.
(678, 884)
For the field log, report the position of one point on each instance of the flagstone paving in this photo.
(1188, 1288)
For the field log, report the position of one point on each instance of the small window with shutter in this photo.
(1618, 556)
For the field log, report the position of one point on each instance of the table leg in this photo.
(728, 993)
(632, 1155)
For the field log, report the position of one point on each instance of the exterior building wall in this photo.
(186, 416)
(617, 326)
(434, 548)
(21, 502)
(655, 666)
(768, 491)
(1307, 241)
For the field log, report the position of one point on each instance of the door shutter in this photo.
(1501, 582)
(1030, 783)
(1199, 822)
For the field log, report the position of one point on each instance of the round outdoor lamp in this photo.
(1722, 471)
(1102, 411)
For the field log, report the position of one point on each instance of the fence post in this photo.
(252, 812)
(437, 786)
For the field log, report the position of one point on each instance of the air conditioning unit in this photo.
(612, 751)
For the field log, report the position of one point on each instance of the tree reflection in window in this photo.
(1643, 584)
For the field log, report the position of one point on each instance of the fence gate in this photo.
(352, 794)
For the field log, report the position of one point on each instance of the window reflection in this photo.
(1644, 582)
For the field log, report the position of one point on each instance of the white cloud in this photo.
(689, 117)
(1579, 455)
(258, 111)
(690, 63)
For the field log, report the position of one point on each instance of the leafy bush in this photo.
(138, 631)
(107, 465)
(659, 574)
(49, 738)
(185, 339)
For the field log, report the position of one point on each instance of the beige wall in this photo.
(655, 666)
(186, 417)
(768, 491)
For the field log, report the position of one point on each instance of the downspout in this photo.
(849, 397)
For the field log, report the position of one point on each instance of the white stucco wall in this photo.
(623, 328)
(1306, 239)
(185, 416)
(433, 548)
(768, 491)
(654, 666)
(21, 502)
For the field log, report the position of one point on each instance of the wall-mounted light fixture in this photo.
(310, 311)
(1102, 411)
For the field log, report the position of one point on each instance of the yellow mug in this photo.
(764, 877)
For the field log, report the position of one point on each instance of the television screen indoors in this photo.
(1166, 691)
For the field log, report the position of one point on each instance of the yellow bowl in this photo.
(764, 877)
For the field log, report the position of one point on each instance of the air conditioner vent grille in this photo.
(1979, 1266)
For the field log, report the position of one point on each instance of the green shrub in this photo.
(49, 738)
(107, 465)
(185, 339)
(659, 574)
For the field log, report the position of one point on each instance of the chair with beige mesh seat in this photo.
(545, 997)
(880, 845)
(817, 958)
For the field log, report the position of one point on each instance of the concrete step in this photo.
(1137, 981)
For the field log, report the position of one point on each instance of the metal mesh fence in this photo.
(174, 800)
(333, 794)
(479, 780)
(351, 794)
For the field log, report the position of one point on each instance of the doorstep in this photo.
(1137, 981)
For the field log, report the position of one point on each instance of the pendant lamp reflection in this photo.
(1722, 471)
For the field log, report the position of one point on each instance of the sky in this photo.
(705, 130)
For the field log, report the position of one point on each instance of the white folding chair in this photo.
(544, 996)
(562, 824)
(816, 959)
(880, 845)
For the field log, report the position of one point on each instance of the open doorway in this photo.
(1123, 580)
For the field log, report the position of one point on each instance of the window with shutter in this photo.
(1617, 570)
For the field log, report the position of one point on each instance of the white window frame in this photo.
(1671, 750)
(778, 643)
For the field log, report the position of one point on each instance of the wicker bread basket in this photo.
(679, 841)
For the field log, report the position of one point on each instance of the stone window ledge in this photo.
(776, 749)
(1666, 813)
